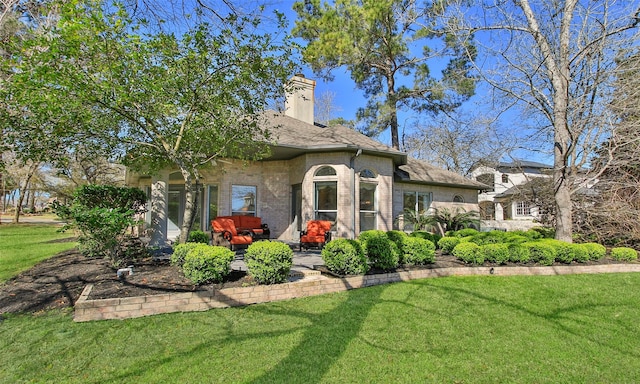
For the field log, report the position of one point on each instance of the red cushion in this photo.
(318, 227)
(222, 224)
(241, 240)
(249, 222)
(312, 239)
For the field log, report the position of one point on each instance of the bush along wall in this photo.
(205, 263)
(379, 249)
(345, 257)
(269, 262)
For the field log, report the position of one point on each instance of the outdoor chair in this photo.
(225, 229)
(317, 234)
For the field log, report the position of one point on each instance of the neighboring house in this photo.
(314, 172)
(498, 206)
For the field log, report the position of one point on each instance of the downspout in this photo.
(352, 162)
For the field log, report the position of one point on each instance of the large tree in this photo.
(159, 99)
(555, 60)
(386, 45)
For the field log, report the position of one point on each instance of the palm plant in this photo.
(445, 219)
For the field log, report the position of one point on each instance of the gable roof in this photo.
(418, 171)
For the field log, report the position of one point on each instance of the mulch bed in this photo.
(57, 283)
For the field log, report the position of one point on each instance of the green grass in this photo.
(24, 245)
(489, 329)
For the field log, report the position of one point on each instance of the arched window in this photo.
(326, 194)
(458, 199)
(367, 174)
(326, 171)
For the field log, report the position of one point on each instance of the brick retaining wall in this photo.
(130, 307)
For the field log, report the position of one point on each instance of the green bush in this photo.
(469, 253)
(495, 253)
(541, 252)
(624, 254)
(594, 251)
(580, 253)
(198, 237)
(466, 232)
(515, 238)
(381, 252)
(398, 238)
(418, 251)
(491, 237)
(433, 237)
(541, 233)
(180, 252)
(345, 257)
(519, 253)
(565, 252)
(269, 262)
(205, 263)
(447, 243)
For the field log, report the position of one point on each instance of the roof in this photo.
(293, 137)
(418, 171)
(522, 164)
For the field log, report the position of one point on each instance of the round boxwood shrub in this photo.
(398, 238)
(418, 251)
(541, 252)
(269, 262)
(447, 243)
(433, 237)
(492, 237)
(179, 253)
(345, 257)
(624, 254)
(565, 252)
(594, 251)
(381, 252)
(469, 253)
(198, 237)
(466, 232)
(519, 253)
(495, 253)
(205, 263)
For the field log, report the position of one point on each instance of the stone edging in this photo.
(131, 307)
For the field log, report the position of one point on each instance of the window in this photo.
(488, 179)
(368, 214)
(417, 203)
(367, 174)
(505, 178)
(523, 208)
(458, 199)
(213, 204)
(487, 210)
(243, 200)
(326, 171)
(326, 201)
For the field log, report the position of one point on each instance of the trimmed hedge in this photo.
(594, 251)
(180, 252)
(469, 253)
(541, 252)
(398, 238)
(518, 253)
(624, 254)
(207, 264)
(448, 243)
(269, 262)
(417, 251)
(345, 257)
(198, 237)
(495, 253)
(433, 237)
(381, 252)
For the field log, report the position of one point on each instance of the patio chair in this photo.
(317, 234)
(225, 229)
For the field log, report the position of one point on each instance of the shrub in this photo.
(398, 238)
(495, 253)
(624, 254)
(345, 257)
(565, 252)
(381, 252)
(514, 238)
(269, 262)
(447, 243)
(180, 252)
(198, 237)
(466, 232)
(205, 263)
(433, 237)
(542, 233)
(418, 251)
(519, 253)
(594, 251)
(469, 253)
(491, 237)
(541, 252)
(580, 253)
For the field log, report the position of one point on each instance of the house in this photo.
(498, 206)
(314, 172)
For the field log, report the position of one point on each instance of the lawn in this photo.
(489, 329)
(24, 245)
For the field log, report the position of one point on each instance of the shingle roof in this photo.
(418, 171)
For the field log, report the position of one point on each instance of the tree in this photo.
(157, 99)
(383, 45)
(554, 60)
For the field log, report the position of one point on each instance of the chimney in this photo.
(300, 98)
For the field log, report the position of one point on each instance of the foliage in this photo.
(624, 254)
(180, 252)
(469, 253)
(198, 237)
(565, 252)
(594, 251)
(398, 237)
(519, 253)
(417, 251)
(102, 214)
(375, 41)
(269, 262)
(447, 243)
(433, 237)
(466, 232)
(345, 257)
(205, 263)
(381, 252)
(446, 219)
(495, 253)
(541, 252)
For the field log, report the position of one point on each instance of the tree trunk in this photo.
(191, 204)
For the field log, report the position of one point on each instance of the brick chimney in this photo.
(300, 98)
